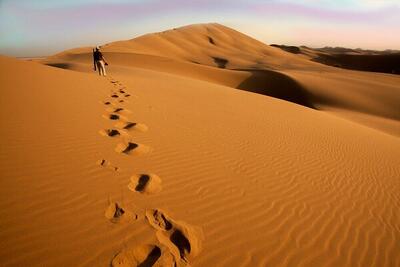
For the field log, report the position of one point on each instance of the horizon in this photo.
(40, 29)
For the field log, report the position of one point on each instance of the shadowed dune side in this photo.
(353, 59)
(287, 48)
(74, 61)
(60, 65)
(370, 99)
(373, 63)
(278, 85)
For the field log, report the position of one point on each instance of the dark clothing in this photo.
(97, 55)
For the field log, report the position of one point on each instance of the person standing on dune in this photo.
(99, 62)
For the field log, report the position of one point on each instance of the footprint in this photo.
(127, 148)
(183, 241)
(106, 164)
(127, 95)
(102, 162)
(143, 256)
(119, 110)
(110, 132)
(115, 213)
(121, 101)
(114, 96)
(132, 125)
(121, 91)
(158, 220)
(129, 125)
(114, 117)
(145, 183)
(107, 103)
(131, 147)
(152, 257)
(115, 82)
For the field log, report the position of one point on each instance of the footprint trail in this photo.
(178, 242)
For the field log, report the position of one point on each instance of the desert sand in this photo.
(202, 147)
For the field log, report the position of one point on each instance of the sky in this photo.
(45, 27)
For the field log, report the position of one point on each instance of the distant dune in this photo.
(387, 61)
(202, 147)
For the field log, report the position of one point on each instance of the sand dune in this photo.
(253, 66)
(387, 61)
(165, 162)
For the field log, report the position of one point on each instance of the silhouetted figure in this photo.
(99, 62)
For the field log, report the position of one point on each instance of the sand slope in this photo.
(189, 170)
(190, 51)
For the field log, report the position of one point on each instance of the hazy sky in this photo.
(44, 27)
